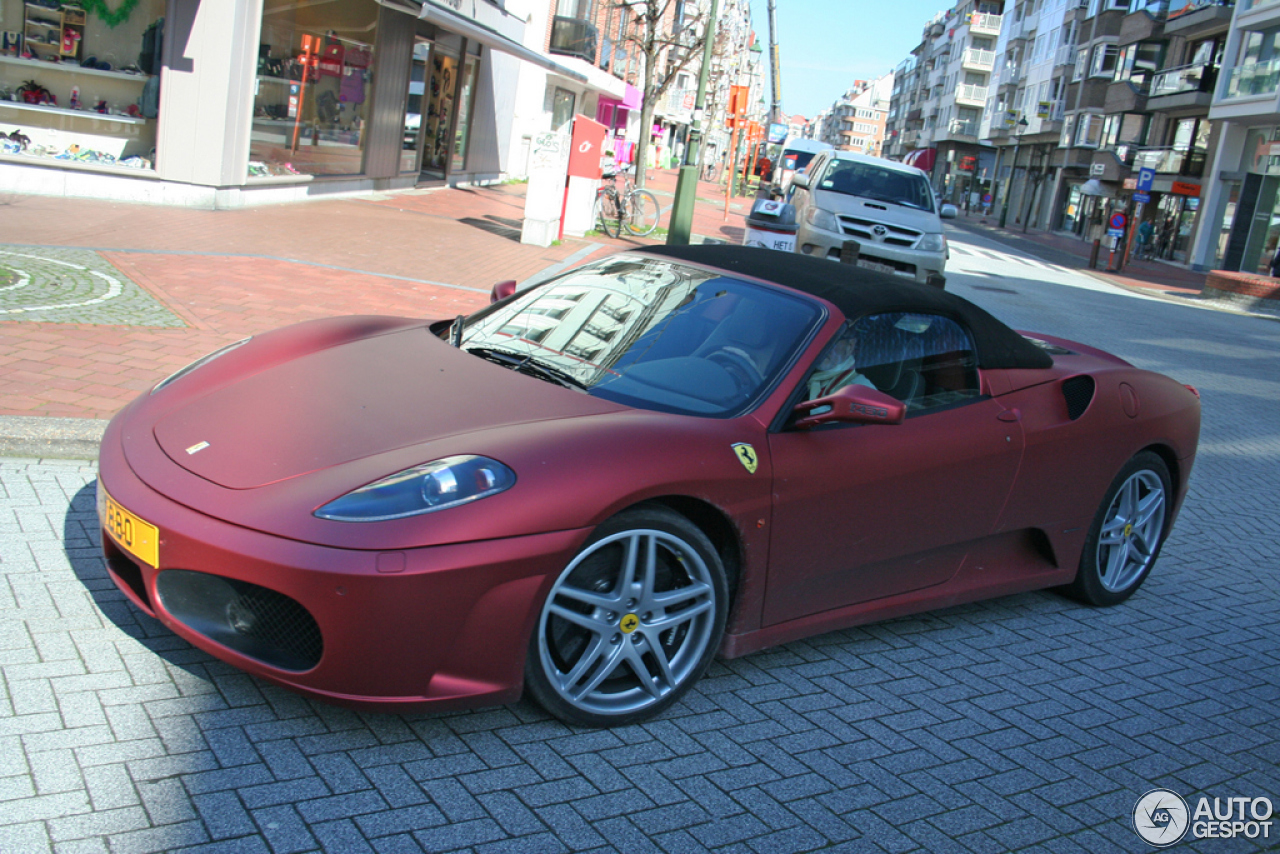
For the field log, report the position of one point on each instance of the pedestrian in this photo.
(1145, 232)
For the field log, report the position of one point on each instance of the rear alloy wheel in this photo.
(631, 622)
(1127, 533)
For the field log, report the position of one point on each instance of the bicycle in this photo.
(632, 208)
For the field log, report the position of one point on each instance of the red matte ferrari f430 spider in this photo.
(591, 487)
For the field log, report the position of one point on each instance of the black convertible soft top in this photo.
(857, 291)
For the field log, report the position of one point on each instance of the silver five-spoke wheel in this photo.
(1127, 532)
(630, 623)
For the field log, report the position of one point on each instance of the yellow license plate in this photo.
(140, 539)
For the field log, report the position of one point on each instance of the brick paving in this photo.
(1029, 723)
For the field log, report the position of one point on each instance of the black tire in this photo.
(643, 212)
(616, 641)
(608, 217)
(1127, 533)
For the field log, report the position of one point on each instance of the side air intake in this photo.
(1078, 392)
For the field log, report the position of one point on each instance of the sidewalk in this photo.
(1072, 252)
(181, 283)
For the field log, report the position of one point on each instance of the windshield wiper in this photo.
(455, 330)
(523, 363)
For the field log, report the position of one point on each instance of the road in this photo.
(1026, 723)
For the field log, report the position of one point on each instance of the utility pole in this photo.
(681, 224)
(775, 78)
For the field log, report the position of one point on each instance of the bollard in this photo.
(1093, 256)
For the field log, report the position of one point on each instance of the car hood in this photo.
(348, 402)
(886, 212)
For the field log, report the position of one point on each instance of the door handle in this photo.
(1010, 415)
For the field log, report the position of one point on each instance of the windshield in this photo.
(855, 178)
(649, 333)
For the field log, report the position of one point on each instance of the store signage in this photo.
(1131, 183)
(1097, 168)
(1181, 188)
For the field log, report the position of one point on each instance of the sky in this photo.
(825, 45)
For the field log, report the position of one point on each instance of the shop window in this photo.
(465, 98)
(562, 101)
(315, 74)
(76, 86)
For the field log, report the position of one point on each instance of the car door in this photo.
(865, 512)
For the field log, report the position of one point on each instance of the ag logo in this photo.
(629, 624)
(747, 456)
(1161, 818)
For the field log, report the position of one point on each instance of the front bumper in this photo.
(909, 263)
(439, 627)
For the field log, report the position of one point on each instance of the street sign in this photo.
(1144, 198)
(1117, 221)
(1146, 177)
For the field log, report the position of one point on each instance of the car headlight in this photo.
(825, 220)
(933, 243)
(203, 360)
(426, 488)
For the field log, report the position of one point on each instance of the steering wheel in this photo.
(738, 365)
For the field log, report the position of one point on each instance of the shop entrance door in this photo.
(441, 97)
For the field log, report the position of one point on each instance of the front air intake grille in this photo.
(1078, 392)
(252, 620)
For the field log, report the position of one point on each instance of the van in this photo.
(795, 157)
(883, 210)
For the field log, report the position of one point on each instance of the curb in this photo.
(51, 438)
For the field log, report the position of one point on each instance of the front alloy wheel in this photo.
(631, 622)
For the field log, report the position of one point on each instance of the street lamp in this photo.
(1013, 167)
(681, 223)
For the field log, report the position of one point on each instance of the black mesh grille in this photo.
(1078, 392)
(253, 620)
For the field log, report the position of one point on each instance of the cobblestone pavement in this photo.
(60, 285)
(1029, 723)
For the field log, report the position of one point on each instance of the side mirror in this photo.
(502, 290)
(800, 180)
(853, 404)
(949, 212)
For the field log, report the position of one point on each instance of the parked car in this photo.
(591, 487)
(887, 209)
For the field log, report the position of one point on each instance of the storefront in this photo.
(1246, 205)
(253, 101)
(80, 88)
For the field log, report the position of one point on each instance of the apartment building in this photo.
(857, 121)
(938, 112)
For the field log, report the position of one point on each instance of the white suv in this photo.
(887, 209)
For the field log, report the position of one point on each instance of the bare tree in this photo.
(668, 34)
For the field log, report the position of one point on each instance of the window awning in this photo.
(475, 31)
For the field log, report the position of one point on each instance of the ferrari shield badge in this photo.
(747, 456)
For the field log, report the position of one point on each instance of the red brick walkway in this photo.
(228, 274)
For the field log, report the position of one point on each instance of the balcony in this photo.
(1252, 80)
(1188, 86)
(982, 24)
(964, 127)
(1169, 161)
(978, 59)
(573, 37)
(1197, 18)
(1066, 55)
(970, 95)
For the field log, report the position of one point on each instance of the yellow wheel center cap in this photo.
(1128, 530)
(629, 624)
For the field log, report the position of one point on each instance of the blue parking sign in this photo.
(1146, 177)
